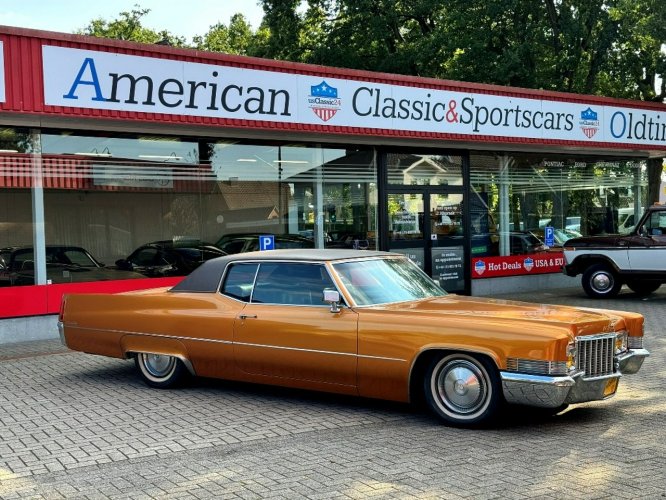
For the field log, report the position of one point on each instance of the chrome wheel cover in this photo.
(157, 366)
(601, 282)
(462, 388)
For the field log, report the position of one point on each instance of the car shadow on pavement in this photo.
(200, 390)
(302, 396)
(94, 371)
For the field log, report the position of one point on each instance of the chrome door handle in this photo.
(247, 316)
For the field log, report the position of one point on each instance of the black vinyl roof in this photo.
(206, 278)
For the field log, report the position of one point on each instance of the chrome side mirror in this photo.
(332, 297)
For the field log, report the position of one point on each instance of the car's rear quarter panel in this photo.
(197, 326)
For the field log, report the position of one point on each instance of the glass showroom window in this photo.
(515, 196)
(18, 183)
(120, 207)
(307, 196)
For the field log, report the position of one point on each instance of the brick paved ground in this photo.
(74, 426)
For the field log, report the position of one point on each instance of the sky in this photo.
(180, 17)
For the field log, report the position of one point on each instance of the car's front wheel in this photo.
(463, 389)
(643, 288)
(600, 281)
(160, 370)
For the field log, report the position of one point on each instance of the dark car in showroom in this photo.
(249, 242)
(169, 257)
(64, 264)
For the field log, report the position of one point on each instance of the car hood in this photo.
(578, 321)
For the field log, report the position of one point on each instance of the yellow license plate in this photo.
(611, 387)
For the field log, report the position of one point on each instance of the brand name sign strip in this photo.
(102, 80)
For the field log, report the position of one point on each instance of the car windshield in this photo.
(384, 281)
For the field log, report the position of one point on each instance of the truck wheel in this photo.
(643, 288)
(600, 281)
(462, 389)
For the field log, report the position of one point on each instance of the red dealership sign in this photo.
(515, 265)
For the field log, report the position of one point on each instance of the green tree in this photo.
(237, 38)
(609, 47)
(284, 29)
(128, 27)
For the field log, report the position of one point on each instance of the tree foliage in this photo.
(609, 47)
(236, 38)
(128, 27)
(615, 48)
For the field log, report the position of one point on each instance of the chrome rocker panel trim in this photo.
(550, 392)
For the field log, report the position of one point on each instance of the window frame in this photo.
(259, 263)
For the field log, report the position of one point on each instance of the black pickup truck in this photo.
(637, 259)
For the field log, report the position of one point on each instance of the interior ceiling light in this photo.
(161, 157)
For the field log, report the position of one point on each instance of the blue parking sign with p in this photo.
(550, 236)
(267, 242)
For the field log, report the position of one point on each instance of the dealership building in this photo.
(106, 146)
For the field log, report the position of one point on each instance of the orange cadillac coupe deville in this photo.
(365, 323)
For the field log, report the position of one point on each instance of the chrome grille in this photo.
(536, 367)
(594, 354)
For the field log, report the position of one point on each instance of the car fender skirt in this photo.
(132, 344)
(550, 392)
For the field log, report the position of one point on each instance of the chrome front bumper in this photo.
(549, 392)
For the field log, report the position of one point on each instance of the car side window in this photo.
(655, 225)
(239, 280)
(145, 257)
(78, 258)
(235, 246)
(292, 284)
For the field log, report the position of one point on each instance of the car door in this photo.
(648, 245)
(287, 333)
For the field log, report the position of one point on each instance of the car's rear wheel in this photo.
(600, 281)
(463, 389)
(643, 287)
(160, 370)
